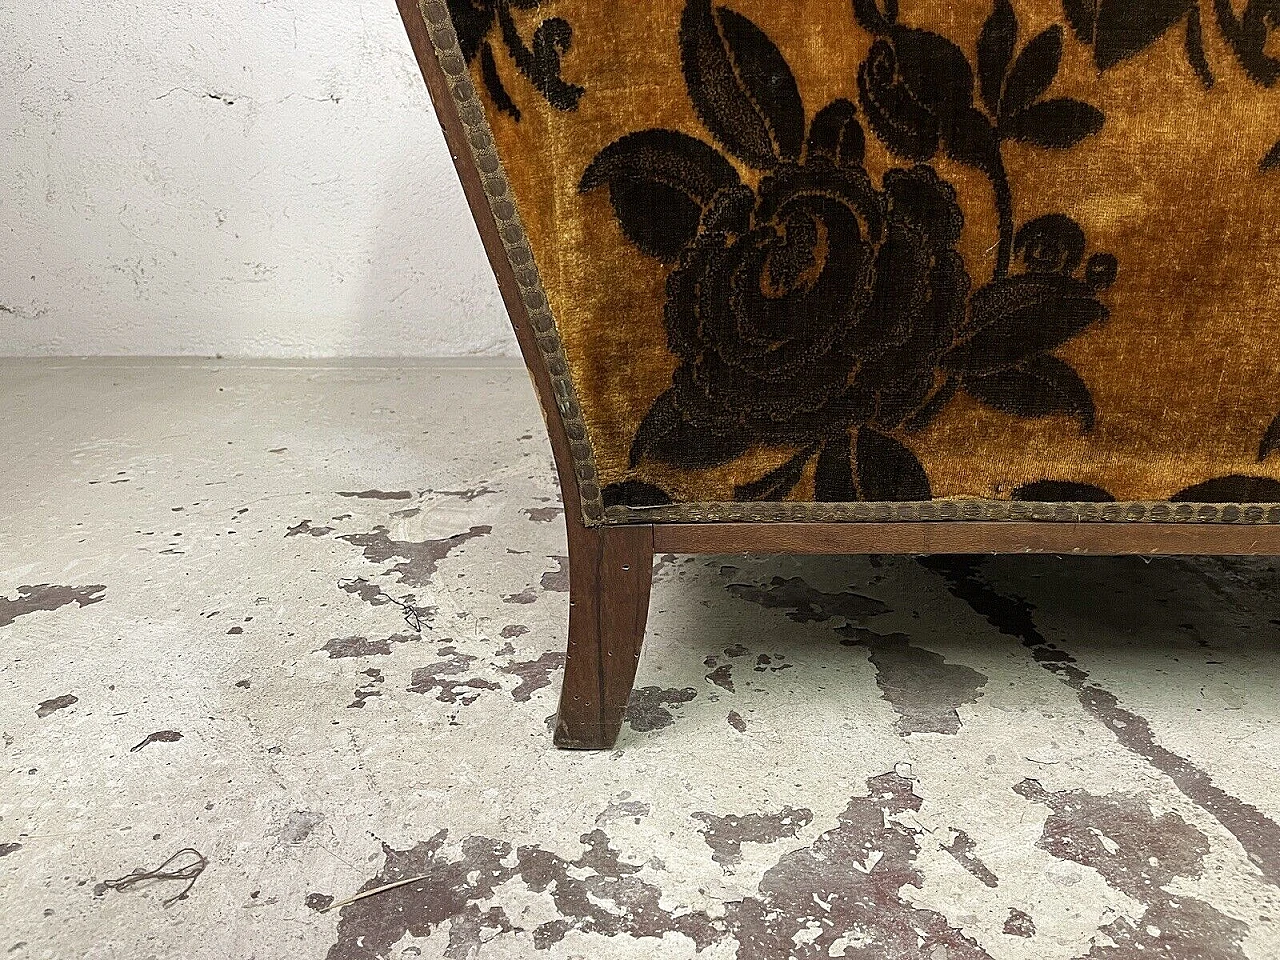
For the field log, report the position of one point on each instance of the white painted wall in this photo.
(244, 177)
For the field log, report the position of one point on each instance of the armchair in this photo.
(844, 277)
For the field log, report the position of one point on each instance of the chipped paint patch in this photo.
(623, 808)
(378, 494)
(557, 581)
(305, 529)
(650, 708)
(1019, 924)
(846, 890)
(369, 689)
(465, 495)
(55, 704)
(447, 678)
(419, 559)
(341, 647)
(962, 847)
(925, 691)
(923, 688)
(542, 514)
(805, 604)
(534, 675)
(1141, 855)
(47, 597)
(726, 834)
(160, 736)
(370, 593)
(721, 673)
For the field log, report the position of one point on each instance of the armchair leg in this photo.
(610, 575)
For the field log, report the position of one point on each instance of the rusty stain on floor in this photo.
(317, 636)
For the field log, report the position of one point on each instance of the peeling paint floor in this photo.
(308, 620)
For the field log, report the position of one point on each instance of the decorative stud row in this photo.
(516, 244)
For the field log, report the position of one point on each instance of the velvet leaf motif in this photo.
(539, 61)
(1120, 29)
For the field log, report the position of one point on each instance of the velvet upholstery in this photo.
(835, 252)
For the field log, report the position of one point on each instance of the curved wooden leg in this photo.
(610, 574)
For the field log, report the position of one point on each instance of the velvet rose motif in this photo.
(789, 310)
(814, 310)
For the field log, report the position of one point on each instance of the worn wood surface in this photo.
(1006, 536)
(610, 574)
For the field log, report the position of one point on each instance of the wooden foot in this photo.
(610, 573)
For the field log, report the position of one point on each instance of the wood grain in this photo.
(610, 575)
(1004, 536)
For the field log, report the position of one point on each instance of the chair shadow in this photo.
(710, 612)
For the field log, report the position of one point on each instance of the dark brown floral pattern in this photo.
(787, 290)
(1233, 488)
(1120, 29)
(814, 310)
(474, 21)
(917, 89)
(1236, 488)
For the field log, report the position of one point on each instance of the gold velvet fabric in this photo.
(835, 251)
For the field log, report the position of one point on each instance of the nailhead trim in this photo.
(515, 241)
(950, 510)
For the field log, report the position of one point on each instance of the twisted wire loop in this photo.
(172, 869)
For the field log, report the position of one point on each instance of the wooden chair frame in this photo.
(610, 566)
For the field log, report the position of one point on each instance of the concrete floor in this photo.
(308, 621)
